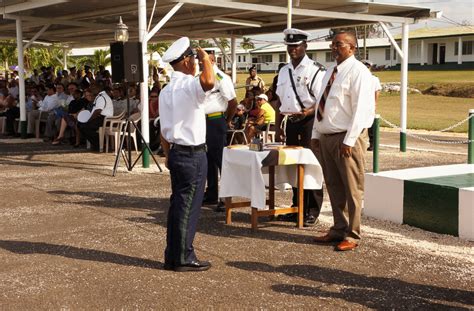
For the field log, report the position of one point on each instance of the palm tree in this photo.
(159, 47)
(8, 52)
(224, 43)
(35, 57)
(247, 45)
(101, 58)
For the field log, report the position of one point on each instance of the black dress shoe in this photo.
(207, 201)
(168, 266)
(288, 217)
(220, 207)
(310, 221)
(193, 266)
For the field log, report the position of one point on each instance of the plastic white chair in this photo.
(102, 129)
(269, 135)
(239, 131)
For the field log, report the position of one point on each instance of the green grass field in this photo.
(424, 111)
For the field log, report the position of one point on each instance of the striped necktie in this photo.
(322, 101)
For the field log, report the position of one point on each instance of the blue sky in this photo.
(453, 11)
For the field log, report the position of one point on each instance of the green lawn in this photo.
(424, 111)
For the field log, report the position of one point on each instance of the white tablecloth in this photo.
(243, 172)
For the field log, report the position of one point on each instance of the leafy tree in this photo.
(159, 47)
(100, 58)
(247, 44)
(224, 43)
(201, 43)
(36, 57)
(8, 53)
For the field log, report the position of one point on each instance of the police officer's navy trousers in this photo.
(299, 134)
(216, 136)
(188, 177)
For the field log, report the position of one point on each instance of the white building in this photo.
(435, 48)
(445, 47)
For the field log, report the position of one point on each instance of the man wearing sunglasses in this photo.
(345, 109)
(183, 138)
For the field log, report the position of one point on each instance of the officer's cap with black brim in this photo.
(294, 36)
(179, 50)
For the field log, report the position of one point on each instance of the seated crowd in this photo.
(54, 102)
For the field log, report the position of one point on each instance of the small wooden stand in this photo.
(270, 202)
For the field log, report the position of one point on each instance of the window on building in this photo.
(367, 54)
(282, 58)
(394, 55)
(387, 53)
(467, 47)
(238, 59)
(328, 57)
(311, 55)
(265, 58)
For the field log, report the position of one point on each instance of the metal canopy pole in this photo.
(404, 89)
(65, 59)
(234, 59)
(21, 73)
(288, 23)
(142, 35)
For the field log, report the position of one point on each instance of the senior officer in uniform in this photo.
(298, 85)
(183, 137)
(220, 109)
(345, 110)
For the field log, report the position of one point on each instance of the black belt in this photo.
(332, 134)
(189, 149)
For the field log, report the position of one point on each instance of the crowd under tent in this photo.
(79, 23)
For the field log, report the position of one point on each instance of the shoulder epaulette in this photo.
(321, 66)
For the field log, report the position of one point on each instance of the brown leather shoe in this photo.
(346, 246)
(326, 239)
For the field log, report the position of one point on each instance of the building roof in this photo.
(439, 32)
(85, 23)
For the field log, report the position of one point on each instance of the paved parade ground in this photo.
(74, 237)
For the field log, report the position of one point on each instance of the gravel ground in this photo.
(74, 237)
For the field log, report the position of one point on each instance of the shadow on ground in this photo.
(26, 248)
(370, 291)
(211, 223)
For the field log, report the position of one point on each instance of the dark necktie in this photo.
(322, 101)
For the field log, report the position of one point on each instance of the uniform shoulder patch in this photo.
(320, 66)
(219, 76)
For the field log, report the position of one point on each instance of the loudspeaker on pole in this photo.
(126, 60)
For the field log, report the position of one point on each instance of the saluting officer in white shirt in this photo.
(345, 110)
(298, 85)
(220, 109)
(183, 137)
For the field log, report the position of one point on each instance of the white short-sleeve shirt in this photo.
(104, 102)
(303, 76)
(221, 94)
(182, 117)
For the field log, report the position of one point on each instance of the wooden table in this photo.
(229, 205)
(230, 183)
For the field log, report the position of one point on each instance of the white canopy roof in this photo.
(80, 23)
